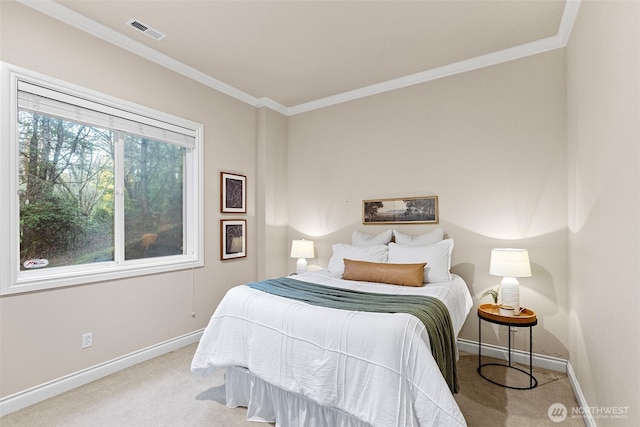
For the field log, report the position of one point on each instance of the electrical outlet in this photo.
(87, 340)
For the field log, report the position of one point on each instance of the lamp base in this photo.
(301, 265)
(510, 292)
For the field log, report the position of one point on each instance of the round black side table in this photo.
(527, 318)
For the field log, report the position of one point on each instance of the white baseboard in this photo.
(58, 386)
(582, 401)
(517, 356)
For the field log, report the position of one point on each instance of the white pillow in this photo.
(375, 253)
(437, 257)
(358, 238)
(426, 239)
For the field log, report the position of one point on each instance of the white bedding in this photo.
(377, 367)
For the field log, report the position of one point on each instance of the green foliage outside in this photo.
(67, 192)
(48, 226)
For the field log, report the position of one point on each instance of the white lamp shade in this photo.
(302, 249)
(509, 262)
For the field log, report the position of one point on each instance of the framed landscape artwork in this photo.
(233, 238)
(401, 210)
(233, 193)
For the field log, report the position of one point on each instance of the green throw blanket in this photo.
(431, 312)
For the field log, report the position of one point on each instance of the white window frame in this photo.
(12, 280)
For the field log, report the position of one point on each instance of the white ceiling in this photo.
(298, 55)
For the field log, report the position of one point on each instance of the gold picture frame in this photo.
(402, 210)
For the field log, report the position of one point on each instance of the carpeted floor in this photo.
(163, 392)
(485, 404)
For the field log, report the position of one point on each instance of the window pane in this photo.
(95, 188)
(66, 192)
(153, 199)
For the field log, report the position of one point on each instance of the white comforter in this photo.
(377, 367)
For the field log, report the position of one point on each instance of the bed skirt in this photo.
(268, 403)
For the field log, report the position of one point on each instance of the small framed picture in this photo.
(233, 238)
(233, 193)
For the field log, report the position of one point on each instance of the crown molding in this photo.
(569, 16)
(558, 41)
(70, 17)
(494, 58)
(270, 103)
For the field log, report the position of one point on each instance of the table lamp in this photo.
(302, 249)
(510, 263)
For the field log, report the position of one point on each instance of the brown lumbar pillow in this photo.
(395, 274)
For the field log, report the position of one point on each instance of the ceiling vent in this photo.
(154, 34)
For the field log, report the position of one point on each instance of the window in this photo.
(97, 188)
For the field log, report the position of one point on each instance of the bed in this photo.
(296, 363)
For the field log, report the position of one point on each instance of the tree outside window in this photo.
(102, 188)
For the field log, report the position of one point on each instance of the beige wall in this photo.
(271, 190)
(40, 333)
(603, 63)
(491, 144)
